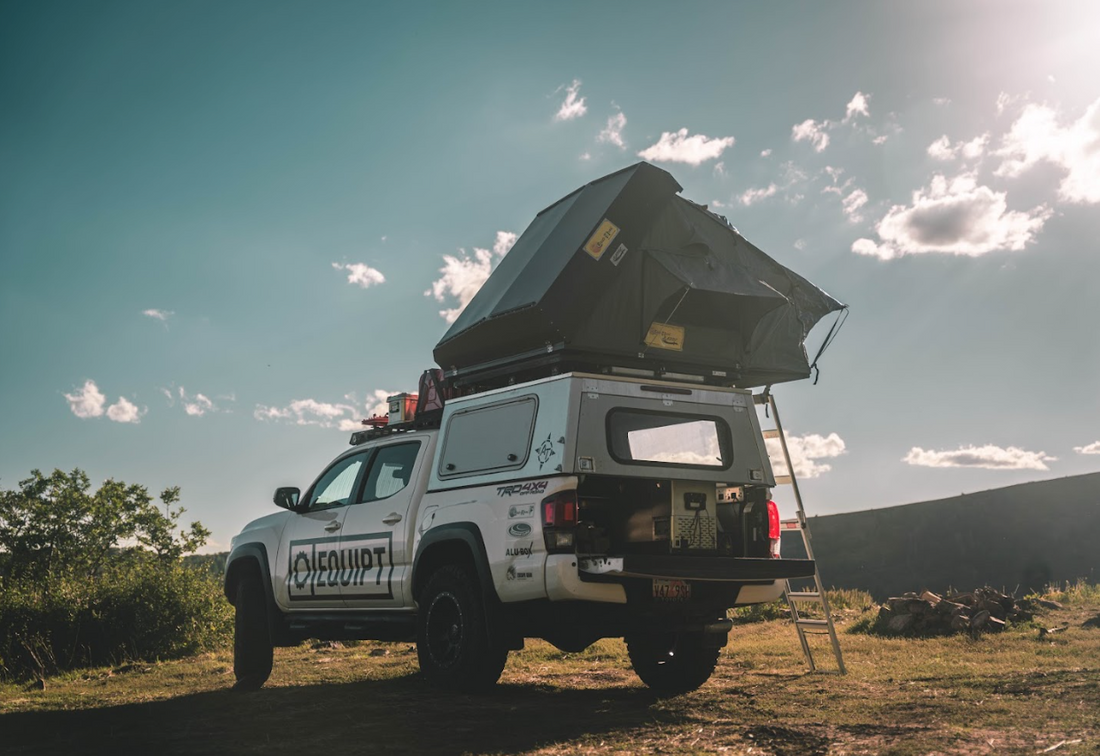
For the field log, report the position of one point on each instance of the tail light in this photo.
(559, 520)
(773, 529)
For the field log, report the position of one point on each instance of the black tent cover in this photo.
(625, 273)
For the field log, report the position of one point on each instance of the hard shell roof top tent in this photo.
(625, 275)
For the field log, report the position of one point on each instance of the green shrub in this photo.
(96, 577)
(147, 611)
(1078, 593)
(840, 600)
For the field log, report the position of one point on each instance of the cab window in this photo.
(391, 471)
(336, 485)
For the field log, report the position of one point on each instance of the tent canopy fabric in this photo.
(623, 272)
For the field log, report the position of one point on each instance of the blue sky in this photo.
(224, 226)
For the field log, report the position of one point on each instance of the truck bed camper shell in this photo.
(623, 275)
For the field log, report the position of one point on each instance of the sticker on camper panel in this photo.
(665, 336)
(598, 243)
(521, 511)
(521, 574)
(618, 255)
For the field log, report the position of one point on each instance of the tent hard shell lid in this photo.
(624, 274)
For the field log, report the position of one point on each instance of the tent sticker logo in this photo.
(601, 240)
(665, 336)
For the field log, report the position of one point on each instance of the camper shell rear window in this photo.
(490, 438)
(668, 439)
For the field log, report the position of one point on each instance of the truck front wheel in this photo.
(252, 648)
(671, 663)
(453, 643)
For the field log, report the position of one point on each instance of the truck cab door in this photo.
(309, 564)
(376, 530)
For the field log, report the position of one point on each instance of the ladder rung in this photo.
(789, 524)
(782, 480)
(771, 433)
(813, 623)
(803, 595)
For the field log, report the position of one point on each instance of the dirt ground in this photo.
(1009, 693)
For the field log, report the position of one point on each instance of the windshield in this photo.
(665, 438)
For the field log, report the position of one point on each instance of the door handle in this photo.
(392, 518)
(333, 526)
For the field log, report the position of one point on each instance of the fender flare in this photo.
(469, 534)
(255, 552)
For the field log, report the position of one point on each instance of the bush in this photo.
(849, 600)
(147, 611)
(1078, 593)
(96, 577)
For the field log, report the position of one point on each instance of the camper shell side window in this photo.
(490, 438)
(668, 439)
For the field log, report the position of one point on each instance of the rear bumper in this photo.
(721, 569)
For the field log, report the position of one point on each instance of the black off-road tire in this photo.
(253, 652)
(671, 663)
(453, 643)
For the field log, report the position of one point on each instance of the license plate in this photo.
(671, 590)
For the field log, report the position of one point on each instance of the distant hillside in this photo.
(1028, 534)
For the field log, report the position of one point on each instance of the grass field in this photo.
(1009, 693)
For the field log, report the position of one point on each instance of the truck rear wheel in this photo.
(671, 663)
(253, 653)
(452, 635)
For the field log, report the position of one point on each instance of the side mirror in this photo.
(287, 497)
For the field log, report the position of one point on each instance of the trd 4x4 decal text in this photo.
(521, 489)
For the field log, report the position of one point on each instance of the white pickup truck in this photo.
(571, 508)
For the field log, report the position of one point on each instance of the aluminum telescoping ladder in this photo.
(803, 625)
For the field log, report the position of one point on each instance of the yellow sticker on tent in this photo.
(602, 239)
(665, 336)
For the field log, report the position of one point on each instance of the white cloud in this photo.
(378, 402)
(344, 416)
(880, 139)
(1004, 100)
(124, 411)
(852, 199)
(852, 204)
(813, 132)
(720, 169)
(572, 106)
(766, 153)
(800, 244)
(1093, 448)
(363, 276)
(613, 132)
(88, 401)
(1038, 136)
(197, 405)
(751, 196)
(857, 106)
(988, 457)
(678, 147)
(462, 275)
(956, 217)
(308, 412)
(586, 156)
(942, 149)
(805, 451)
(941, 101)
(161, 315)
